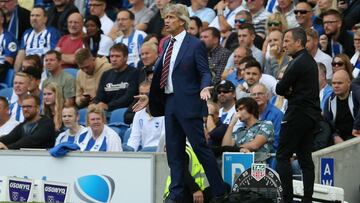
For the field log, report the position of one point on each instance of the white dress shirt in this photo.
(176, 48)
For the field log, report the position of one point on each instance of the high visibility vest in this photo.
(196, 171)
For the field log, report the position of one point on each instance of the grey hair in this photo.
(180, 11)
(267, 92)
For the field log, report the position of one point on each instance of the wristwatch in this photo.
(220, 12)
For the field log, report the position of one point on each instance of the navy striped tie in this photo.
(165, 70)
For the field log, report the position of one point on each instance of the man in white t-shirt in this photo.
(7, 124)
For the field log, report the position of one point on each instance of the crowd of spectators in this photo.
(113, 49)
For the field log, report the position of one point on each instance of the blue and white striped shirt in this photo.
(133, 42)
(8, 46)
(39, 43)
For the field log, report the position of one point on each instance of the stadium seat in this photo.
(127, 135)
(82, 116)
(71, 71)
(6, 92)
(117, 116)
(120, 129)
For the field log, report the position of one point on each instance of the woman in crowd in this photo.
(95, 40)
(53, 103)
(256, 135)
(70, 119)
(342, 62)
(355, 59)
(275, 21)
(99, 136)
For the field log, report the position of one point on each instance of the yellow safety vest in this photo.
(196, 171)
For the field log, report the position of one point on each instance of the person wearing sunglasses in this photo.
(275, 21)
(286, 8)
(259, 15)
(303, 14)
(342, 62)
(241, 18)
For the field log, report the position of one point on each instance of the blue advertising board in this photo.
(327, 171)
(234, 164)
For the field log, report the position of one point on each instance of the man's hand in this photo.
(2, 146)
(323, 41)
(356, 132)
(102, 105)
(141, 103)
(220, 6)
(198, 197)
(205, 93)
(338, 139)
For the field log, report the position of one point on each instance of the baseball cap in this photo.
(226, 85)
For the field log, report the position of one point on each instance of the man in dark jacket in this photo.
(35, 132)
(300, 85)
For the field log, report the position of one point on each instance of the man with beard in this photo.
(339, 40)
(217, 55)
(35, 132)
(59, 13)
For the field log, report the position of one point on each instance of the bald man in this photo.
(70, 43)
(342, 108)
